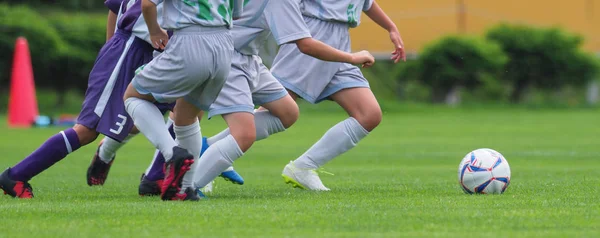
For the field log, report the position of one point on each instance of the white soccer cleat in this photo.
(208, 188)
(302, 178)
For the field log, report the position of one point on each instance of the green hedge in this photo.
(455, 62)
(72, 5)
(510, 62)
(84, 35)
(63, 46)
(543, 58)
(45, 43)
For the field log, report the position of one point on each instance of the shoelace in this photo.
(322, 171)
(319, 170)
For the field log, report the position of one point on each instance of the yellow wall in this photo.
(421, 21)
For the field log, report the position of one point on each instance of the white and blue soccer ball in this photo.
(484, 171)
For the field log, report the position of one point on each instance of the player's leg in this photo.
(199, 61)
(365, 115)
(108, 147)
(152, 179)
(278, 109)
(350, 90)
(235, 97)
(234, 103)
(270, 118)
(282, 109)
(224, 152)
(115, 122)
(279, 115)
(188, 136)
(106, 153)
(228, 174)
(14, 180)
(150, 122)
(103, 158)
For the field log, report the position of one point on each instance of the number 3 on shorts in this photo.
(119, 124)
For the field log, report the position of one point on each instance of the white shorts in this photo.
(193, 66)
(249, 83)
(312, 79)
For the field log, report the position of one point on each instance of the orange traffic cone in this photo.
(22, 104)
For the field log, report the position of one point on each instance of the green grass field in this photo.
(401, 181)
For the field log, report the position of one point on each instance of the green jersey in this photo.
(347, 11)
(178, 14)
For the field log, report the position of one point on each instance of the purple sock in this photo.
(53, 150)
(156, 169)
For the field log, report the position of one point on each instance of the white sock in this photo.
(109, 147)
(213, 139)
(151, 123)
(190, 138)
(167, 125)
(337, 140)
(266, 125)
(215, 160)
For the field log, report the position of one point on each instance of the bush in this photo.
(382, 79)
(76, 5)
(84, 35)
(543, 58)
(63, 46)
(454, 62)
(44, 41)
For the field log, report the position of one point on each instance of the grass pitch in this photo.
(400, 181)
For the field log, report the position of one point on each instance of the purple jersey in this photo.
(128, 12)
(129, 17)
(113, 5)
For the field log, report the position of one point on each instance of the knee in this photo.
(290, 116)
(85, 135)
(244, 138)
(129, 92)
(369, 119)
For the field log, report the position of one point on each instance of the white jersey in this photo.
(178, 14)
(347, 11)
(261, 19)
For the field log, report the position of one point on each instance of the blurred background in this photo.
(462, 52)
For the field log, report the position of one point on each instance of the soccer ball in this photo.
(484, 171)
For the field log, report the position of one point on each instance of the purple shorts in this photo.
(103, 108)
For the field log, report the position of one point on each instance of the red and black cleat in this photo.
(13, 188)
(98, 170)
(189, 195)
(149, 187)
(175, 168)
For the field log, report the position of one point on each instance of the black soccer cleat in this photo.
(98, 170)
(18, 189)
(148, 187)
(190, 195)
(175, 168)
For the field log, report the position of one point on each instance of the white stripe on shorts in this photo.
(67, 143)
(111, 81)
